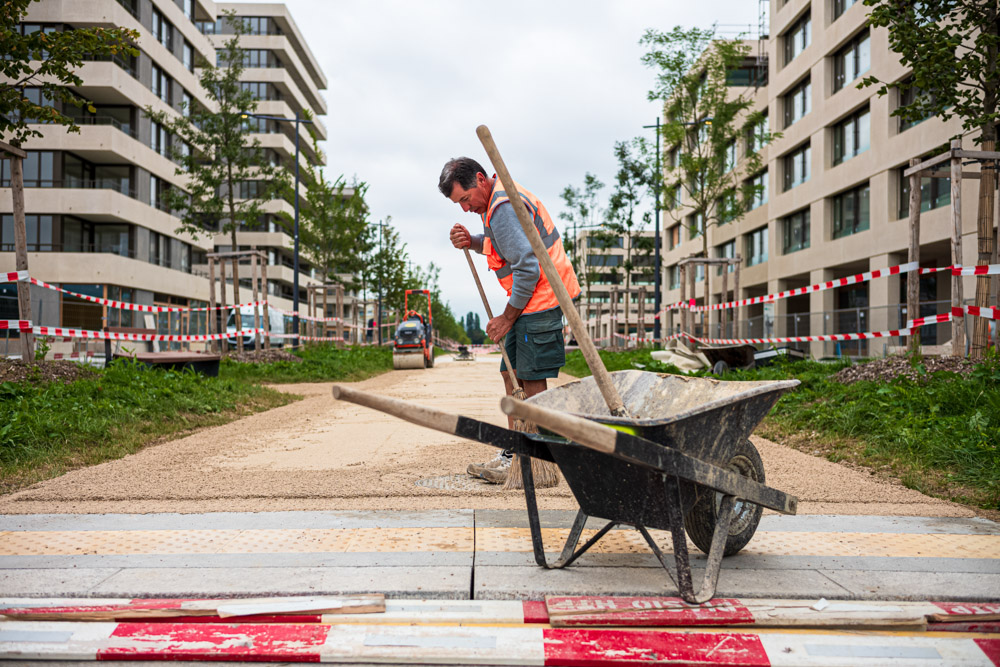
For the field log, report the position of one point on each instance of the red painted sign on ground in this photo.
(645, 611)
(585, 648)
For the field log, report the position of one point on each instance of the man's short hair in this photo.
(461, 170)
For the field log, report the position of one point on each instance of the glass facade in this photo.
(795, 232)
(851, 211)
(852, 136)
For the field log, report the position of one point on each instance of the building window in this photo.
(160, 84)
(675, 277)
(159, 139)
(186, 103)
(163, 31)
(852, 61)
(159, 249)
(674, 200)
(908, 94)
(37, 170)
(798, 37)
(730, 157)
(841, 6)
(851, 211)
(604, 260)
(674, 158)
(726, 250)
(253, 58)
(934, 193)
(759, 183)
(756, 135)
(38, 228)
(189, 9)
(674, 237)
(797, 167)
(798, 102)
(747, 75)
(795, 232)
(696, 225)
(757, 246)
(726, 207)
(187, 56)
(851, 136)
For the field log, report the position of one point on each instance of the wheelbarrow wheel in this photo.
(700, 520)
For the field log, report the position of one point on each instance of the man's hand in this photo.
(498, 327)
(460, 237)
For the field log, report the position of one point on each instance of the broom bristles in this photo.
(545, 474)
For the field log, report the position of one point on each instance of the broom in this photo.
(544, 473)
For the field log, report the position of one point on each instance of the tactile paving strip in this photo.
(459, 539)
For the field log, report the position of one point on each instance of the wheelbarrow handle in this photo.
(411, 412)
(588, 433)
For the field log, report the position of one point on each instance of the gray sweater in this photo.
(514, 247)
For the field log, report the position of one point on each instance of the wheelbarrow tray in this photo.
(672, 452)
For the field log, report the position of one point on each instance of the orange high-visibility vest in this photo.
(543, 298)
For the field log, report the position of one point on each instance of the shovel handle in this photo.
(416, 414)
(615, 404)
(489, 314)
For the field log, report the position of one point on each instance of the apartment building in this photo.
(95, 219)
(834, 202)
(611, 294)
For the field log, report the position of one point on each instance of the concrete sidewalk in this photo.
(478, 554)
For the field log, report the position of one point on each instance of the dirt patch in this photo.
(16, 370)
(262, 356)
(890, 368)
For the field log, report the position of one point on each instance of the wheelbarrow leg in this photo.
(569, 553)
(681, 557)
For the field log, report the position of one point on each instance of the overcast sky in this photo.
(558, 82)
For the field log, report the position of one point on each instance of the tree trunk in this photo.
(981, 332)
(21, 257)
(236, 266)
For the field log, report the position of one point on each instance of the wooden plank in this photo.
(930, 162)
(913, 277)
(958, 324)
(979, 155)
(12, 150)
(975, 175)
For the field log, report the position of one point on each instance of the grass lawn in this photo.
(939, 434)
(49, 428)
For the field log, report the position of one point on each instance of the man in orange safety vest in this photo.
(532, 318)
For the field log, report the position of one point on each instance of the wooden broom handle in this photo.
(615, 404)
(489, 314)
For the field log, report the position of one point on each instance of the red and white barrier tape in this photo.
(929, 319)
(980, 270)
(22, 325)
(72, 355)
(138, 307)
(109, 335)
(989, 312)
(13, 276)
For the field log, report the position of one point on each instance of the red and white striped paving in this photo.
(720, 632)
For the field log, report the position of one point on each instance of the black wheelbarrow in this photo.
(683, 462)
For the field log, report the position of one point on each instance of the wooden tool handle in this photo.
(489, 314)
(416, 414)
(587, 433)
(608, 391)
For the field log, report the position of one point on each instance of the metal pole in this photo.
(295, 268)
(657, 279)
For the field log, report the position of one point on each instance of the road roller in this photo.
(413, 342)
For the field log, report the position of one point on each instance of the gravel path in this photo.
(321, 454)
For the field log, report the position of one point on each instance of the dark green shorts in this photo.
(535, 345)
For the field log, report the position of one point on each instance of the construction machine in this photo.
(413, 342)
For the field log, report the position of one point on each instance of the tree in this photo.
(229, 176)
(952, 47)
(473, 328)
(39, 70)
(705, 120)
(385, 266)
(633, 180)
(584, 212)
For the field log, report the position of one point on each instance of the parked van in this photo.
(277, 322)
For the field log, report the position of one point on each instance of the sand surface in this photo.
(323, 454)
